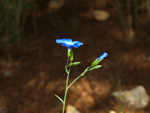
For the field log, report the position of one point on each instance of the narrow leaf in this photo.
(95, 67)
(59, 98)
(74, 64)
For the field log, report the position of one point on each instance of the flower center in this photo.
(69, 43)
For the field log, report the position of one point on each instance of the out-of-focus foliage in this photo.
(134, 8)
(13, 14)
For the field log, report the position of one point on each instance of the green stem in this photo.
(68, 72)
(135, 12)
(120, 11)
(86, 70)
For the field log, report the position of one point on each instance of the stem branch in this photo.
(86, 70)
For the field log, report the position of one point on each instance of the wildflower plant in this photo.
(95, 65)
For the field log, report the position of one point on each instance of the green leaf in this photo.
(74, 64)
(59, 98)
(95, 67)
(71, 56)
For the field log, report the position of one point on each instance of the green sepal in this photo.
(74, 64)
(71, 56)
(59, 98)
(96, 62)
(68, 52)
(95, 67)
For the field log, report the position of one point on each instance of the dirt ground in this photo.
(36, 72)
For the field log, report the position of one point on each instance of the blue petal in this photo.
(63, 40)
(59, 41)
(68, 46)
(67, 40)
(76, 44)
(104, 55)
(69, 43)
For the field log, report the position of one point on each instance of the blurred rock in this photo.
(136, 98)
(8, 74)
(112, 111)
(101, 15)
(3, 110)
(55, 5)
(71, 109)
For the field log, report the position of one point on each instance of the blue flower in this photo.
(104, 55)
(69, 43)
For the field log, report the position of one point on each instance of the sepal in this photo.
(95, 67)
(74, 64)
(71, 56)
(68, 53)
(96, 62)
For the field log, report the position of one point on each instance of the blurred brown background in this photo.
(32, 64)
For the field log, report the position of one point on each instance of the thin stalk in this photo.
(147, 2)
(135, 12)
(120, 11)
(86, 70)
(68, 73)
(64, 102)
(130, 29)
(66, 90)
(118, 76)
(35, 21)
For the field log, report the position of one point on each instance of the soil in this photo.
(34, 72)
